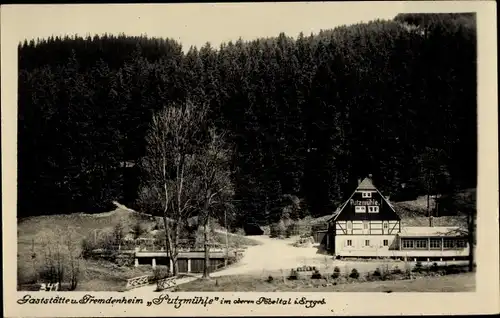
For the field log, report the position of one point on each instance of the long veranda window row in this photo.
(434, 243)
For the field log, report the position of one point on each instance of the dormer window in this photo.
(360, 209)
(373, 209)
(366, 194)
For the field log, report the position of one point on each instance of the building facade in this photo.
(367, 226)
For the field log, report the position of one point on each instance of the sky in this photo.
(192, 24)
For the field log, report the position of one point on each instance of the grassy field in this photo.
(234, 241)
(450, 283)
(36, 234)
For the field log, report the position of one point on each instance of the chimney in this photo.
(359, 181)
(431, 221)
(370, 175)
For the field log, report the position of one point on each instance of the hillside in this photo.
(41, 235)
(414, 213)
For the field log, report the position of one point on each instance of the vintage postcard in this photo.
(250, 159)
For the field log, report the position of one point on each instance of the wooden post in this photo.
(136, 262)
(189, 265)
(153, 262)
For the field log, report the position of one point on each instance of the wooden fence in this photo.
(166, 283)
(138, 281)
(145, 280)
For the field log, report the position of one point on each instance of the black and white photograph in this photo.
(331, 154)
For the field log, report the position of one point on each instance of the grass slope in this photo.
(33, 232)
(449, 283)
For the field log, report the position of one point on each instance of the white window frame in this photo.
(360, 209)
(373, 209)
(365, 225)
(407, 243)
(349, 225)
(348, 243)
(385, 225)
(435, 244)
(366, 194)
(421, 244)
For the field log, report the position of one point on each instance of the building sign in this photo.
(364, 202)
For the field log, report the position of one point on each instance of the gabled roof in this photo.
(366, 184)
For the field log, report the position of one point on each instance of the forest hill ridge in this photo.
(273, 99)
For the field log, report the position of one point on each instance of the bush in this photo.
(434, 267)
(316, 275)
(87, 248)
(377, 273)
(354, 274)
(270, 279)
(418, 267)
(336, 272)
(160, 272)
(294, 275)
(397, 270)
(137, 229)
(453, 269)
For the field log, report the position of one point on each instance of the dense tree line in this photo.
(306, 117)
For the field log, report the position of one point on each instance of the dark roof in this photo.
(366, 184)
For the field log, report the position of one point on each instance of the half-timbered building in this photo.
(367, 226)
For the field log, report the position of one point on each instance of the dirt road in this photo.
(279, 255)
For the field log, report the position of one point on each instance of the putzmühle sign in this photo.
(364, 202)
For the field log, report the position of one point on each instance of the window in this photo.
(449, 243)
(420, 244)
(386, 242)
(360, 209)
(367, 242)
(407, 243)
(366, 194)
(365, 225)
(349, 225)
(373, 209)
(435, 243)
(386, 225)
(349, 242)
(454, 243)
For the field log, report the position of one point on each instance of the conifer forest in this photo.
(304, 116)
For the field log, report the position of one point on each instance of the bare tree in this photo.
(118, 234)
(169, 183)
(465, 205)
(74, 259)
(215, 185)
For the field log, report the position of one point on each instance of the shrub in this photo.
(270, 279)
(418, 267)
(294, 275)
(316, 275)
(160, 272)
(87, 248)
(336, 272)
(434, 267)
(377, 273)
(369, 277)
(397, 270)
(453, 269)
(137, 229)
(354, 274)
